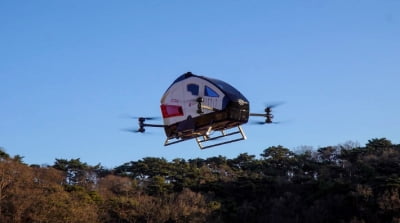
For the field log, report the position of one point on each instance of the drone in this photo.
(208, 110)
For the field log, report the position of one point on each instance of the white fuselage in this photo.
(179, 101)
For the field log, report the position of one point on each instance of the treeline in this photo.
(344, 183)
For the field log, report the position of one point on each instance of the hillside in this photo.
(344, 183)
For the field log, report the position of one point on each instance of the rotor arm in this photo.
(153, 125)
(267, 115)
(141, 121)
(258, 114)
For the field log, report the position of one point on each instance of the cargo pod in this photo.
(205, 109)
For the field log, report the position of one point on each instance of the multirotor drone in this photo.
(205, 109)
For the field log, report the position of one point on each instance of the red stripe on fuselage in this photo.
(169, 111)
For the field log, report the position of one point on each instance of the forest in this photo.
(341, 183)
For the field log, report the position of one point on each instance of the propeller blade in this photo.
(258, 123)
(265, 123)
(152, 118)
(283, 122)
(130, 130)
(273, 104)
(138, 117)
(133, 130)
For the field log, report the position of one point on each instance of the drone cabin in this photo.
(193, 106)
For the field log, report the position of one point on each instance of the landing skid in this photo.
(223, 133)
(171, 141)
(206, 141)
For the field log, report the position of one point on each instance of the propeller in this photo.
(142, 124)
(264, 123)
(273, 104)
(138, 118)
(267, 115)
(140, 130)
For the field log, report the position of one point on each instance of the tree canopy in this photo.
(342, 183)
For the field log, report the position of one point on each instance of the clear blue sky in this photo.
(70, 69)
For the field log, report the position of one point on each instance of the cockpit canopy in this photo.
(232, 93)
